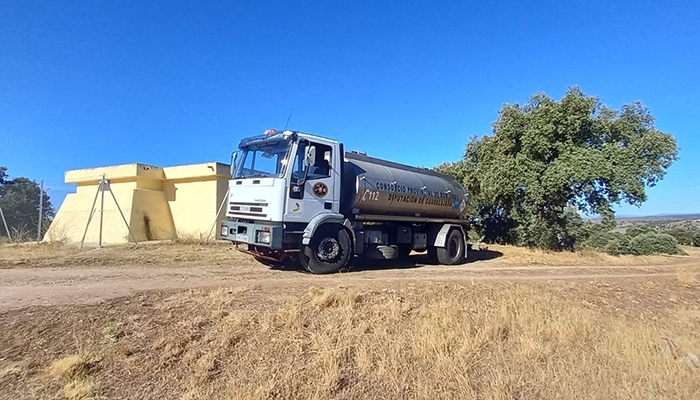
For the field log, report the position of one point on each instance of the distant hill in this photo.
(688, 221)
(659, 221)
(658, 217)
(677, 217)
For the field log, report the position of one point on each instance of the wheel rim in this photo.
(328, 249)
(453, 248)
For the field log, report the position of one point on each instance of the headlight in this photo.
(224, 230)
(263, 237)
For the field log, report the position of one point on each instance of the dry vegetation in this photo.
(193, 251)
(56, 254)
(433, 341)
(372, 337)
(73, 370)
(525, 256)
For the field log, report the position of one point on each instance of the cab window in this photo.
(321, 167)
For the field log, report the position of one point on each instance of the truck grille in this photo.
(247, 209)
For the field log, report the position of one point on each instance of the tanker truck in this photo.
(295, 197)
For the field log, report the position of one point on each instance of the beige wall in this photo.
(159, 203)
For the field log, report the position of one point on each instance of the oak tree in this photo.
(19, 199)
(547, 161)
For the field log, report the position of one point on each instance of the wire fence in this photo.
(26, 209)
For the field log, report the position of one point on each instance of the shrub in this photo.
(653, 243)
(617, 246)
(616, 243)
(684, 237)
(613, 243)
(639, 230)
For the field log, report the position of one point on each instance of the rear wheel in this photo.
(328, 251)
(405, 252)
(453, 252)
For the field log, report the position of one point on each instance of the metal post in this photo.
(216, 219)
(41, 212)
(92, 212)
(5, 222)
(102, 208)
(123, 217)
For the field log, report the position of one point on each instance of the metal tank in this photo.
(377, 187)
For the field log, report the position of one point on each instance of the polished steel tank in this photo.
(372, 186)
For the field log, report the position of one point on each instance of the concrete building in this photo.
(158, 203)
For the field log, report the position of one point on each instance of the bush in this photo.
(616, 243)
(684, 237)
(639, 230)
(613, 243)
(653, 243)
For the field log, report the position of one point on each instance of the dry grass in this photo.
(421, 341)
(79, 389)
(73, 370)
(69, 367)
(188, 251)
(59, 254)
(442, 342)
(58, 233)
(526, 256)
(196, 237)
(11, 370)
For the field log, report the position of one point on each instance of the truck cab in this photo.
(280, 182)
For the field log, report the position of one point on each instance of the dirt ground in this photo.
(68, 275)
(185, 321)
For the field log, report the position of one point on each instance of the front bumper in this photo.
(253, 233)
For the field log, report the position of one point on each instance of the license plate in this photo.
(242, 238)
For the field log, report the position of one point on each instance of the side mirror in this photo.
(234, 157)
(310, 155)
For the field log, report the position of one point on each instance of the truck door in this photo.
(320, 192)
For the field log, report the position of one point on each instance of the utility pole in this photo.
(101, 187)
(41, 212)
(2, 214)
(102, 205)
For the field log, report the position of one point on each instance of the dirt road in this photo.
(74, 284)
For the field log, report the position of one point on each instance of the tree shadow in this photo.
(474, 255)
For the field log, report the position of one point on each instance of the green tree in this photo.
(19, 199)
(547, 158)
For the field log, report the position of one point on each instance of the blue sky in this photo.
(92, 83)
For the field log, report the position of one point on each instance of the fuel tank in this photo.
(379, 187)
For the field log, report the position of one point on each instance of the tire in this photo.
(454, 250)
(328, 252)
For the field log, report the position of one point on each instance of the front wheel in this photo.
(329, 251)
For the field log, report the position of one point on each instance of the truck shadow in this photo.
(418, 260)
(482, 255)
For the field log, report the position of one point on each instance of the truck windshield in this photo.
(263, 158)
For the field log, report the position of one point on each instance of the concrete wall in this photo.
(158, 203)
